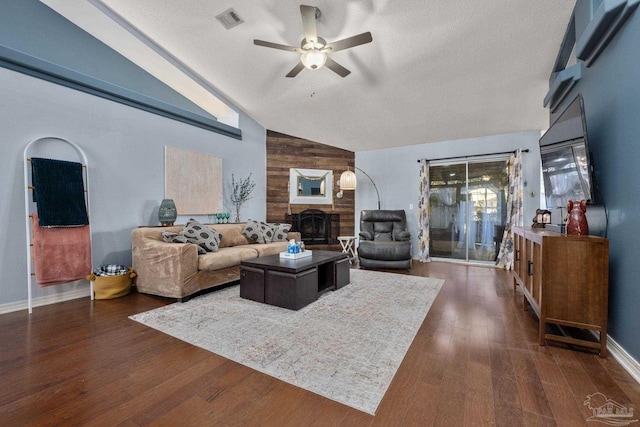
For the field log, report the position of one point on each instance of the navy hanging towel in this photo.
(59, 193)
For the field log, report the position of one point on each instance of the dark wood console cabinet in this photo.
(565, 279)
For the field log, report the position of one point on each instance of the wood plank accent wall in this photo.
(285, 152)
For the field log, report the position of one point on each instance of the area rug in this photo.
(346, 346)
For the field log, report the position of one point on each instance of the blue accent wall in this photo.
(611, 91)
(124, 146)
(36, 40)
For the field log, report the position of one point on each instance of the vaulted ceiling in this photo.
(436, 70)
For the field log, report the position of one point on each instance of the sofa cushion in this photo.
(232, 235)
(271, 248)
(226, 257)
(258, 231)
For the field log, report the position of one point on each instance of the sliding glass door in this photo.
(467, 201)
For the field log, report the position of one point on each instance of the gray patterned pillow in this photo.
(205, 237)
(258, 231)
(170, 237)
(280, 232)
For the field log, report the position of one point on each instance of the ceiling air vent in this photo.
(229, 19)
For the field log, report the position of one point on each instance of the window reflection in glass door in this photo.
(467, 203)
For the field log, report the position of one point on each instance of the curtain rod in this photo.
(526, 150)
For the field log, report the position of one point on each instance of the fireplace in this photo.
(315, 226)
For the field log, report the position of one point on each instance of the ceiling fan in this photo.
(314, 50)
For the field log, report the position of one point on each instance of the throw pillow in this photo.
(258, 231)
(170, 237)
(280, 232)
(206, 238)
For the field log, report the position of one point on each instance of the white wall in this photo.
(396, 173)
(125, 150)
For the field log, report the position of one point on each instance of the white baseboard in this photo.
(46, 300)
(628, 363)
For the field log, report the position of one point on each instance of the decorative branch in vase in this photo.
(240, 193)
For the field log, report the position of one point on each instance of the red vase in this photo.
(577, 222)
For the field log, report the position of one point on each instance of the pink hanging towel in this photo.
(61, 255)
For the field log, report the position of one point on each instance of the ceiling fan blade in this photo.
(349, 42)
(294, 72)
(336, 68)
(309, 23)
(277, 46)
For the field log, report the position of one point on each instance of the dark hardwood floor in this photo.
(475, 361)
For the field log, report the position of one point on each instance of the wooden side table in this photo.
(348, 246)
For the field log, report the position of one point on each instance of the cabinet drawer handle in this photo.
(517, 255)
(529, 268)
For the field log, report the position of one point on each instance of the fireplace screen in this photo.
(315, 226)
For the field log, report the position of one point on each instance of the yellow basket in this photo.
(108, 287)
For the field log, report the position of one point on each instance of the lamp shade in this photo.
(348, 180)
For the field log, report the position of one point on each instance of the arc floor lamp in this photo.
(348, 181)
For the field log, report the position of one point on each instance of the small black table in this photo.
(290, 283)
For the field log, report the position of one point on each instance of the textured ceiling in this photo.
(436, 69)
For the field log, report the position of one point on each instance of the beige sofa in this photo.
(175, 270)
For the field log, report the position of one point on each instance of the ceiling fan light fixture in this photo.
(313, 49)
(313, 59)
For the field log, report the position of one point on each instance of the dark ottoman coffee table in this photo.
(290, 283)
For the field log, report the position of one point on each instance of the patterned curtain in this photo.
(514, 211)
(423, 212)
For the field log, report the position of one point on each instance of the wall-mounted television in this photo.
(566, 164)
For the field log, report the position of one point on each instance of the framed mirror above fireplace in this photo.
(310, 186)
